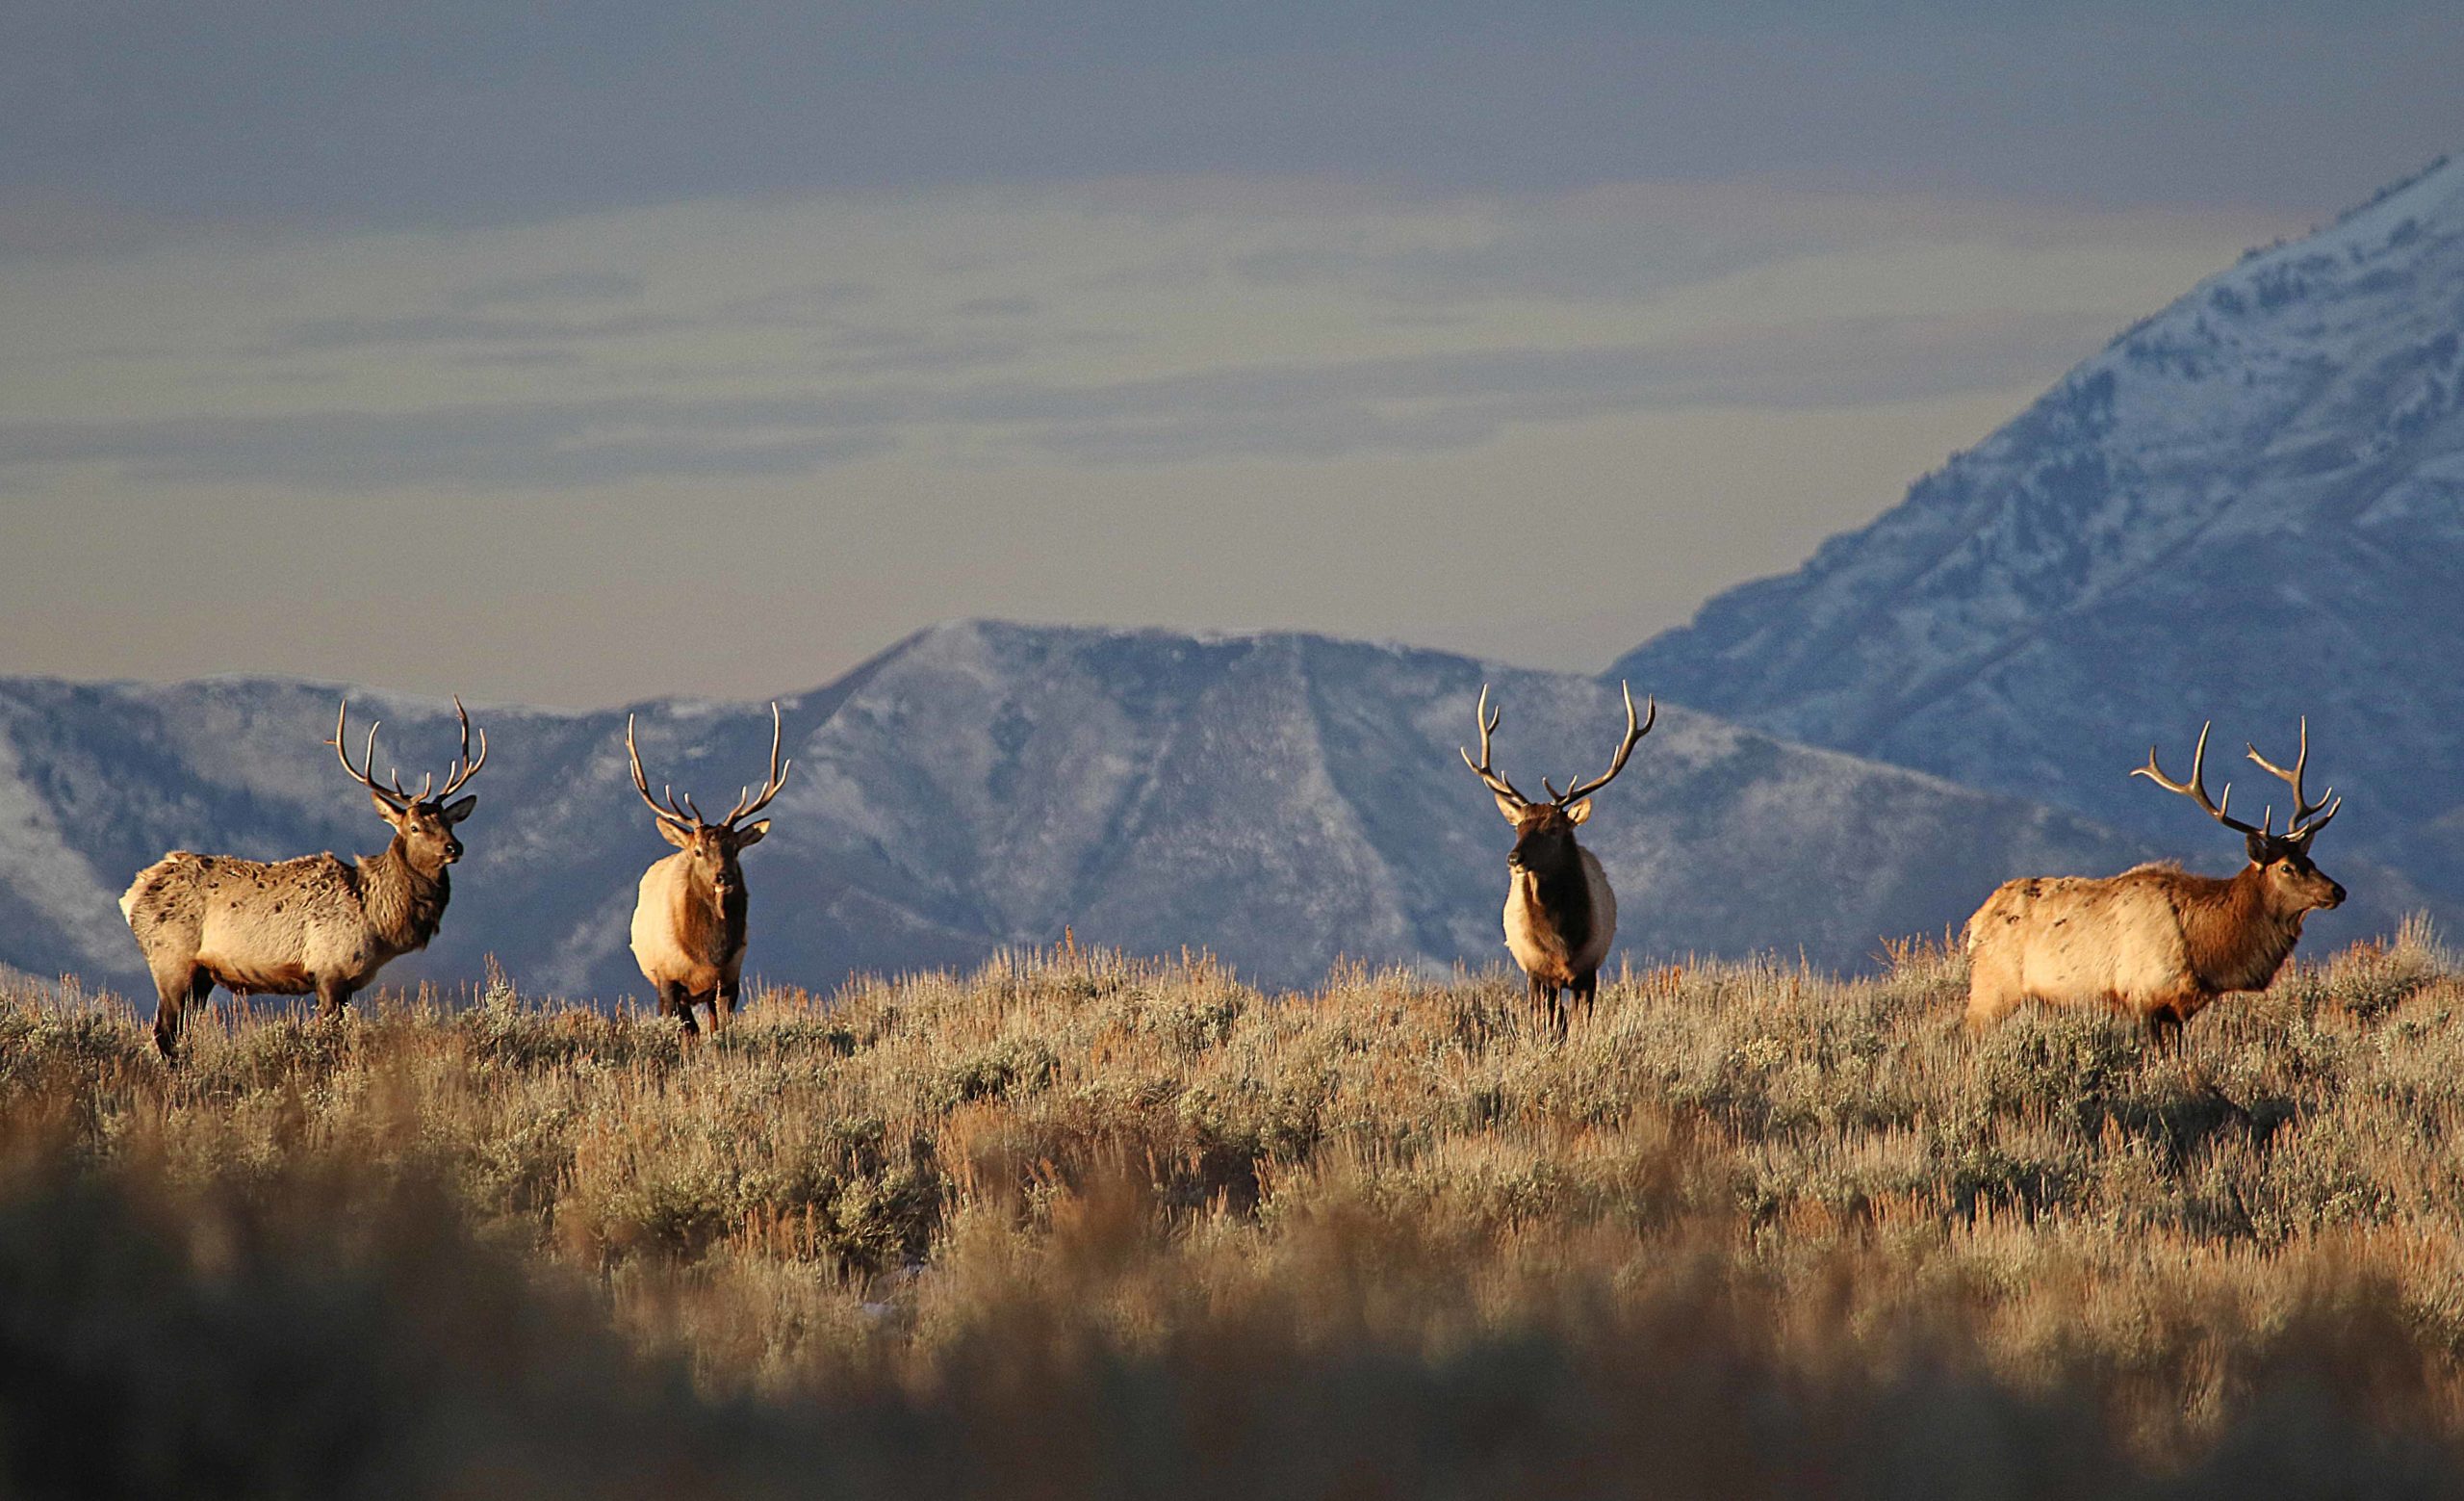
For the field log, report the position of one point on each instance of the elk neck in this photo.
(2236, 938)
(1559, 893)
(707, 925)
(403, 903)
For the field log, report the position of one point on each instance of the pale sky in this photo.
(615, 350)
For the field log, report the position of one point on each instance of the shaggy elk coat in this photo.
(689, 918)
(1560, 915)
(293, 926)
(2156, 941)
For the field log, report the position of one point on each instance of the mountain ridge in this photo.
(2248, 506)
(1282, 799)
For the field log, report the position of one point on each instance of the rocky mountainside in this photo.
(1283, 800)
(2250, 506)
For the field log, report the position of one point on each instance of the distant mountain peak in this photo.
(2248, 505)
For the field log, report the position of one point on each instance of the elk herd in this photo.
(2156, 941)
(291, 927)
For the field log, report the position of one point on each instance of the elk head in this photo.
(423, 822)
(1544, 832)
(2293, 883)
(711, 846)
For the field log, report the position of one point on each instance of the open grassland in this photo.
(1076, 1226)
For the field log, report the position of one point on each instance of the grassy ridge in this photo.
(1074, 1225)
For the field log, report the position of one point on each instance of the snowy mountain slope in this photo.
(2250, 506)
(1284, 800)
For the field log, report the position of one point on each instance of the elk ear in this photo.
(750, 834)
(2257, 846)
(461, 808)
(674, 834)
(385, 810)
(1577, 812)
(1507, 806)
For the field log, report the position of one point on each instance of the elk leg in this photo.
(1545, 1003)
(2165, 1028)
(332, 995)
(723, 1005)
(173, 991)
(674, 1000)
(2171, 1009)
(1586, 990)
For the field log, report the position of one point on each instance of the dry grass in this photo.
(1077, 1226)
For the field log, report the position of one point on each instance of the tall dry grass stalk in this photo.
(1075, 1225)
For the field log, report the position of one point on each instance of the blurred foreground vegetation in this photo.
(1076, 1226)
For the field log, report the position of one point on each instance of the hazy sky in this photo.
(610, 350)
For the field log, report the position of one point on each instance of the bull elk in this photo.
(688, 921)
(2157, 942)
(1560, 916)
(293, 926)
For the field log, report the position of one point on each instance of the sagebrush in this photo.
(1077, 1225)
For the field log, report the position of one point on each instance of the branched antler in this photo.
(395, 795)
(687, 816)
(2197, 788)
(463, 767)
(2297, 828)
(1635, 729)
(1634, 733)
(770, 786)
(400, 798)
(678, 818)
(1488, 719)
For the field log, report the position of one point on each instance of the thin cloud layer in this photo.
(1103, 332)
(1199, 401)
(1420, 404)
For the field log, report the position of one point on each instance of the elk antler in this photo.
(1634, 733)
(682, 820)
(401, 798)
(2196, 787)
(2302, 808)
(395, 795)
(1488, 720)
(688, 817)
(463, 767)
(770, 786)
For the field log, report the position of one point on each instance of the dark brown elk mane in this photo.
(405, 906)
(2235, 941)
(1555, 865)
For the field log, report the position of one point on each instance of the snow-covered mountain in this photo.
(2250, 506)
(1283, 800)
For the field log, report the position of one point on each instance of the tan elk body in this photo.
(2155, 941)
(1560, 914)
(315, 925)
(689, 915)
